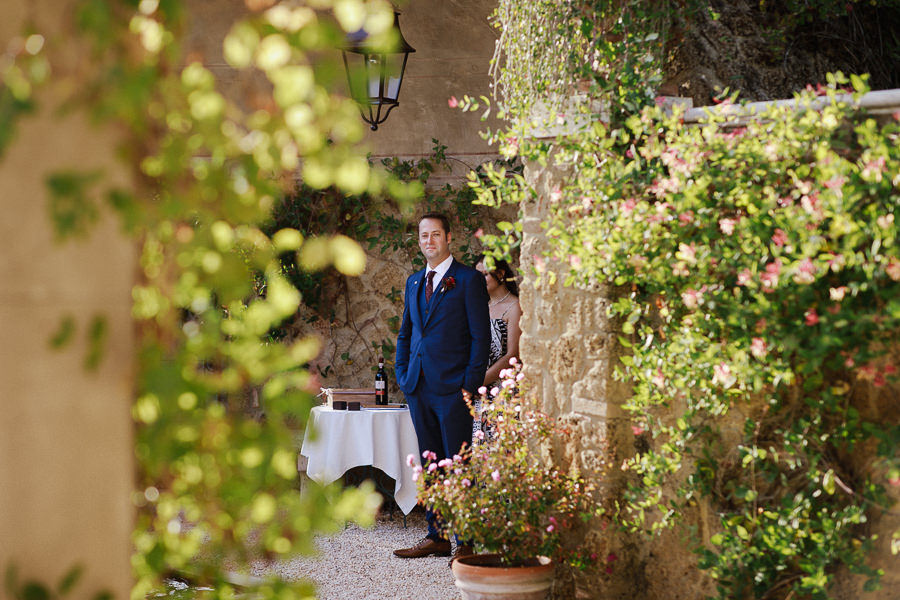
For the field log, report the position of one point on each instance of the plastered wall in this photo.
(66, 468)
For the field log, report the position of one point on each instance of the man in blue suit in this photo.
(442, 350)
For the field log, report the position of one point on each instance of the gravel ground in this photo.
(359, 564)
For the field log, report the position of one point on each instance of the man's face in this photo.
(433, 241)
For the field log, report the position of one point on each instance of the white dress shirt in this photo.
(439, 272)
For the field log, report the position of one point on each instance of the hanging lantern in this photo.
(375, 74)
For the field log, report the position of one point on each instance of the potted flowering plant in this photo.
(501, 494)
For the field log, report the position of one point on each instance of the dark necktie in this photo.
(429, 286)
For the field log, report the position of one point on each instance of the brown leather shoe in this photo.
(426, 547)
(460, 551)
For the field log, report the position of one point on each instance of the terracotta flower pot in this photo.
(482, 577)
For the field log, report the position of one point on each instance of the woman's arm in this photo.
(513, 333)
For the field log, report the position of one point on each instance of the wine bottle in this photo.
(381, 392)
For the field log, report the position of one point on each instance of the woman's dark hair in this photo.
(502, 272)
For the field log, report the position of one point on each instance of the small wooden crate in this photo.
(365, 396)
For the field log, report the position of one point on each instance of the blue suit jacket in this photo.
(449, 342)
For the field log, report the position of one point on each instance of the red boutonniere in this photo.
(449, 284)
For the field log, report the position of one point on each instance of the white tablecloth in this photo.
(345, 439)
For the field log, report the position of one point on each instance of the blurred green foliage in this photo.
(216, 489)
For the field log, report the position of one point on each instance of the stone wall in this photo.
(365, 309)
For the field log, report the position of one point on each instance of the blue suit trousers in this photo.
(443, 424)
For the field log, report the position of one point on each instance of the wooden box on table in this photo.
(365, 396)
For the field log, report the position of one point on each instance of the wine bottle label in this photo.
(379, 385)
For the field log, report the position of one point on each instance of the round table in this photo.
(335, 441)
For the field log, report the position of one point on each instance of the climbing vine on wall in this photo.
(758, 277)
(761, 275)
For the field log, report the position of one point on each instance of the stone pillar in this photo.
(569, 348)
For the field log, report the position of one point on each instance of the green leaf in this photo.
(71, 209)
(97, 332)
(35, 591)
(64, 333)
(69, 580)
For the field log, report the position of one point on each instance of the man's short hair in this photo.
(445, 222)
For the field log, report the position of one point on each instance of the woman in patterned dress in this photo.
(505, 312)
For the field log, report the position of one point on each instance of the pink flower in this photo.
(479, 435)
(895, 481)
(893, 269)
(479, 233)
(686, 217)
(779, 238)
(866, 372)
(466, 483)
(759, 348)
(495, 391)
(744, 277)
(811, 317)
(769, 279)
(691, 298)
(627, 207)
(836, 182)
(447, 483)
(550, 528)
(410, 460)
(452, 102)
(806, 271)
(687, 252)
(555, 195)
(727, 226)
(879, 380)
(629, 153)
(722, 375)
(637, 430)
(812, 205)
(837, 294)
(429, 455)
(575, 261)
(658, 380)
(482, 390)
(432, 467)
(873, 169)
(445, 462)
(885, 221)
(539, 263)
(495, 475)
